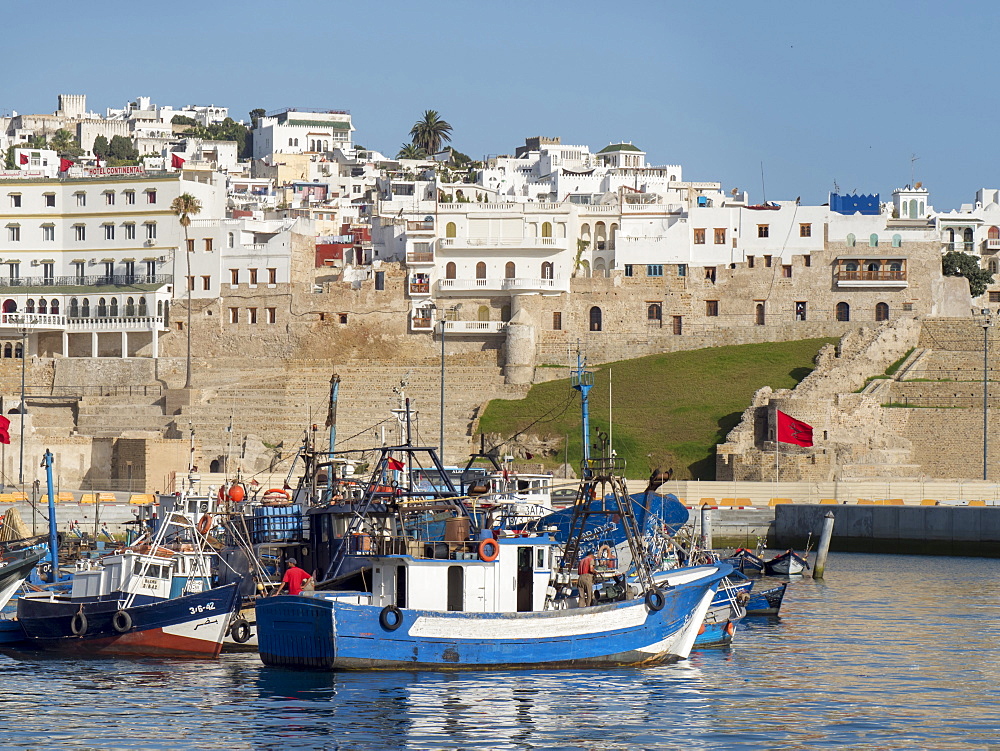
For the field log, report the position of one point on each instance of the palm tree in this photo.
(62, 140)
(430, 132)
(185, 206)
(411, 151)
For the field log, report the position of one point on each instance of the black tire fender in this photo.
(122, 621)
(240, 631)
(390, 618)
(655, 599)
(78, 624)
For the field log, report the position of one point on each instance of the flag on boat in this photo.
(394, 465)
(176, 162)
(4, 428)
(794, 431)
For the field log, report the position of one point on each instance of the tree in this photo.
(411, 151)
(957, 263)
(101, 147)
(185, 206)
(122, 150)
(430, 132)
(183, 120)
(255, 115)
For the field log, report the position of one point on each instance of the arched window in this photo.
(484, 313)
(546, 270)
(481, 270)
(882, 312)
(612, 236)
(895, 266)
(159, 308)
(994, 266)
(114, 307)
(600, 236)
(968, 237)
(142, 307)
(546, 229)
(326, 145)
(290, 142)
(873, 240)
(897, 241)
(595, 319)
(85, 308)
(296, 141)
(450, 230)
(9, 306)
(102, 308)
(993, 233)
(8, 351)
(19, 354)
(130, 307)
(851, 241)
(585, 232)
(231, 240)
(873, 266)
(43, 306)
(921, 208)
(449, 270)
(509, 270)
(29, 305)
(505, 313)
(851, 266)
(913, 208)
(74, 308)
(54, 307)
(654, 312)
(843, 311)
(759, 315)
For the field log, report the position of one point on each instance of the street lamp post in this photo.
(986, 323)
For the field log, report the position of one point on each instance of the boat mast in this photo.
(53, 534)
(583, 381)
(331, 423)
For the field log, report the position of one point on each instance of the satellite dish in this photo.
(919, 185)
(734, 191)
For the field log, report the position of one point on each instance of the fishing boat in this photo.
(767, 602)
(788, 563)
(746, 561)
(151, 599)
(15, 565)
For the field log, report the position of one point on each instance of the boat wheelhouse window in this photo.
(401, 586)
(540, 557)
(456, 588)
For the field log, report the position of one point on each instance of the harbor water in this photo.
(888, 652)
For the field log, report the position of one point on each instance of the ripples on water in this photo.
(889, 652)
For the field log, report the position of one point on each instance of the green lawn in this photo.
(669, 410)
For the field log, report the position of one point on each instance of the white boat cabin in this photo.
(164, 576)
(515, 582)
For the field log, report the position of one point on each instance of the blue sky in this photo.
(816, 92)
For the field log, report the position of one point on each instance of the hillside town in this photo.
(163, 266)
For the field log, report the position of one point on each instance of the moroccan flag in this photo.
(176, 162)
(794, 431)
(394, 465)
(65, 164)
(24, 159)
(4, 427)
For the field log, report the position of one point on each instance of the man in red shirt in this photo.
(585, 580)
(294, 579)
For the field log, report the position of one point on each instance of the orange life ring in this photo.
(222, 493)
(606, 557)
(278, 491)
(730, 628)
(489, 557)
(204, 524)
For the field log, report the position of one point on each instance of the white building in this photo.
(295, 131)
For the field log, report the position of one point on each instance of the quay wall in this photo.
(922, 530)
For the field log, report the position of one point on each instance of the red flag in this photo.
(794, 431)
(176, 162)
(4, 426)
(394, 465)
(24, 159)
(65, 164)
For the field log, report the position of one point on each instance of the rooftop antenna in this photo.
(913, 159)
(836, 188)
(763, 190)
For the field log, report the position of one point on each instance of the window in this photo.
(843, 312)
(682, 269)
(805, 230)
(450, 230)
(150, 230)
(546, 229)
(882, 312)
(710, 274)
(509, 270)
(767, 261)
(48, 272)
(750, 260)
(808, 261)
(230, 241)
(851, 240)
(654, 313)
(190, 283)
(81, 199)
(763, 231)
(253, 276)
(206, 282)
(758, 319)
(130, 272)
(14, 233)
(481, 270)
(873, 240)
(628, 269)
(994, 297)
(712, 308)
(272, 276)
(800, 310)
(109, 231)
(80, 232)
(189, 245)
(109, 269)
(677, 325)
(557, 320)
(252, 315)
(720, 236)
(908, 306)
(48, 233)
(271, 314)
(786, 271)
(654, 269)
(50, 199)
(79, 270)
(129, 197)
(208, 244)
(234, 276)
(546, 270)
(129, 231)
(150, 196)
(595, 319)
(15, 200)
(234, 315)
(699, 237)
(109, 198)
(150, 268)
(15, 269)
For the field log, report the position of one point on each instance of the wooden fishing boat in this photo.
(788, 563)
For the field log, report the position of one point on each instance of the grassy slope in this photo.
(670, 410)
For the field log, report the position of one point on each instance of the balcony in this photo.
(413, 257)
(880, 278)
(74, 324)
(115, 280)
(516, 284)
(499, 242)
(991, 245)
(418, 323)
(425, 226)
(420, 288)
(475, 327)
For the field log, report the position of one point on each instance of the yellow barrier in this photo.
(779, 501)
(707, 502)
(87, 498)
(977, 503)
(928, 502)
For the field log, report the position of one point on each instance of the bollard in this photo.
(824, 546)
(706, 528)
